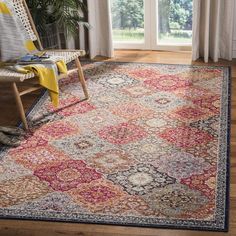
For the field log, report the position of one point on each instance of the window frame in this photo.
(151, 33)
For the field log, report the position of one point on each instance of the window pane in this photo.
(175, 21)
(128, 20)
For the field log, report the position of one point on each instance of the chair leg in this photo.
(81, 78)
(20, 106)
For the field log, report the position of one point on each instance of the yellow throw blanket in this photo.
(47, 74)
(15, 43)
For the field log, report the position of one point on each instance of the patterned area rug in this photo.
(150, 148)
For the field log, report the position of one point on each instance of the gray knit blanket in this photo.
(14, 39)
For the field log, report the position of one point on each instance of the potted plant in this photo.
(52, 17)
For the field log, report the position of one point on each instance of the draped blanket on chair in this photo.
(15, 43)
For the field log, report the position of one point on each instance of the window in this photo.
(152, 24)
(175, 21)
(128, 20)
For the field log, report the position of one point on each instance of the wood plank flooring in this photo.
(9, 116)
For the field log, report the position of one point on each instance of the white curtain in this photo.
(100, 34)
(213, 29)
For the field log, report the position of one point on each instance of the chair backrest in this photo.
(23, 13)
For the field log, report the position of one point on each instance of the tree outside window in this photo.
(174, 20)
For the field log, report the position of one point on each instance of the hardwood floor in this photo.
(36, 228)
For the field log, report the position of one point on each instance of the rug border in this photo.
(171, 227)
(227, 203)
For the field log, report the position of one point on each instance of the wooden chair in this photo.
(8, 76)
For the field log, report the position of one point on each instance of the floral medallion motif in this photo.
(128, 205)
(131, 111)
(97, 196)
(67, 81)
(208, 151)
(107, 99)
(213, 104)
(112, 161)
(34, 158)
(149, 147)
(156, 122)
(204, 182)
(23, 189)
(200, 74)
(80, 147)
(137, 91)
(213, 85)
(57, 130)
(72, 106)
(31, 142)
(181, 165)
(11, 170)
(176, 200)
(141, 179)
(71, 90)
(205, 212)
(167, 83)
(96, 120)
(122, 134)
(95, 71)
(67, 175)
(210, 125)
(163, 101)
(190, 114)
(193, 93)
(115, 81)
(53, 202)
(186, 137)
(144, 73)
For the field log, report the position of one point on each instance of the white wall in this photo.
(234, 37)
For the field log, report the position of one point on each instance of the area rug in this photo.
(150, 148)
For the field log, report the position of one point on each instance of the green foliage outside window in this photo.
(174, 17)
(128, 14)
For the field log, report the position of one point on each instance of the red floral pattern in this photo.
(112, 160)
(167, 83)
(97, 195)
(144, 73)
(38, 157)
(212, 103)
(190, 114)
(131, 111)
(72, 106)
(123, 133)
(148, 147)
(186, 137)
(205, 183)
(67, 175)
(57, 130)
(193, 92)
(31, 142)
